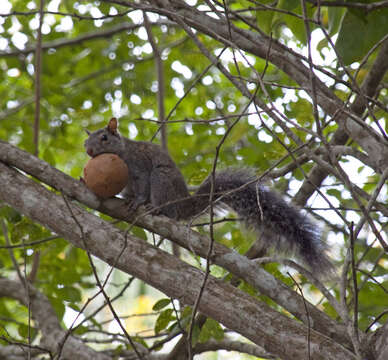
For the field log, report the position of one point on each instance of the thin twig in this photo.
(355, 286)
(385, 312)
(29, 244)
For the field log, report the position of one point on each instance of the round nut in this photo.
(106, 175)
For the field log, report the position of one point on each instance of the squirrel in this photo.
(156, 181)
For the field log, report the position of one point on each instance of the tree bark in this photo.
(233, 308)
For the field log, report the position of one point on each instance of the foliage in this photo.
(97, 62)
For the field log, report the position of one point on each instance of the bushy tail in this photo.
(259, 207)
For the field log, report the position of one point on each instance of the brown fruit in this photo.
(106, 175)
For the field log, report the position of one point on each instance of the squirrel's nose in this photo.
(89, 152)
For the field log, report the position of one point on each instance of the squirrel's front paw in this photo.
(149, 208)
(133, 204)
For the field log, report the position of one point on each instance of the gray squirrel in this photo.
(156, 181)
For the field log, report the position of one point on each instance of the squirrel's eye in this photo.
(104, 137)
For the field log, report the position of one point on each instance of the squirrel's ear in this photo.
(87, 131)
(112, 126)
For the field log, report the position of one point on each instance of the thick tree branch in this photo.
(44, 314)
(227, 258)
(254, 320)
(367, 7)
(382, 343)
(18, 352)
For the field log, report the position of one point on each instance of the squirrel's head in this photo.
(106, 140)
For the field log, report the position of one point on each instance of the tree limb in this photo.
(252, 319)
(44, 314)
(227, 258)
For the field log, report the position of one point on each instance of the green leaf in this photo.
(10, 214)
(80, 330)
(139, 232)
(359, 32)
(294, 23)
(265, 18)
(70, 294)
(195, 334)
(26, 230)
(187, 311)
(58, 306)
(25, 333)
(160, 304)
(163, 320)
(335, 17)
(140, 340)
(211, 329)
(334, 192)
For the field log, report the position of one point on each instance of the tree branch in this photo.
(367, 7)
(252, 319)
(227, 258)
(92, 35)
(230, 345)
(44, 314)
